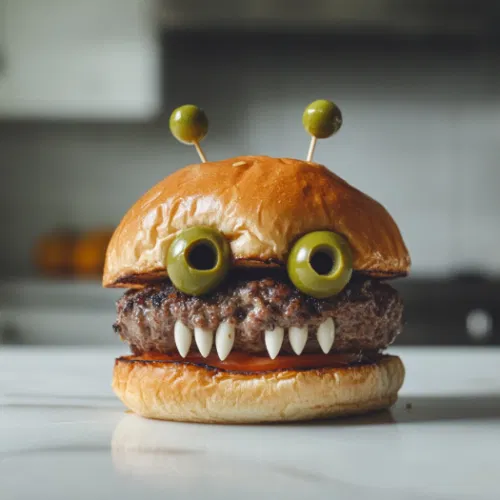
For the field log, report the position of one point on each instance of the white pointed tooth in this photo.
(298, 338)
(204, 340)
(274, 340)
(326, 335)
(183, 337)
(224, 339)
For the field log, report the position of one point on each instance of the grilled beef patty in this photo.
(367, 314)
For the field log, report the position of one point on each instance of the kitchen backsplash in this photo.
(420, 135)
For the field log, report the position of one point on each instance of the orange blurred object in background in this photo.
(65, 253)
(54, 253)
(89, 253)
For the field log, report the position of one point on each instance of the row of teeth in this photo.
(225, 335)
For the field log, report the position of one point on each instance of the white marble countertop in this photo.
(63, 435)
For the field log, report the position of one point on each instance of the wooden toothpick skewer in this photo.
(312, 147)
(200, 152)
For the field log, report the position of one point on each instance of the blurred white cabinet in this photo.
(79, 59)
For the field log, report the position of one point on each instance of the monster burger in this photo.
(257, 290)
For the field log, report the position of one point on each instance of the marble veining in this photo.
(35, 396)
(56, 406)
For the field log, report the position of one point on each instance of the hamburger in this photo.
(257, 291)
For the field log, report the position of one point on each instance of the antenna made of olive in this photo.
(189, 125)
(321, 119)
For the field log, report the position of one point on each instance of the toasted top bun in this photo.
(262, 205)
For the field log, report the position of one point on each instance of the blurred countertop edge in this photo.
(43, 292)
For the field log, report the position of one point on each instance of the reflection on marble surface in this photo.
(225, 456)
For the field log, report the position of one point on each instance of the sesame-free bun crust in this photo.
(192, 393)
(262, 205)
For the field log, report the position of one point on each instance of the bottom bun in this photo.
(193, 393)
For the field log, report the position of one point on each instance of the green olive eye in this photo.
(320, 264)
(198, 260)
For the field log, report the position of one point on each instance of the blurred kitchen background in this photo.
(87, 86)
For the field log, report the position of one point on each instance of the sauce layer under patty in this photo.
(247, 363)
